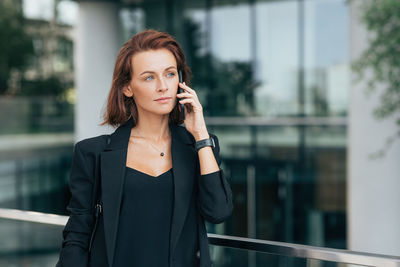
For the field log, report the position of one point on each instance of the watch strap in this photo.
(205, 142)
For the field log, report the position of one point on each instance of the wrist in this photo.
(201, 133)
(204, 143)
(201, 136)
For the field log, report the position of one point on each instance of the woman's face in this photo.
(154, 76)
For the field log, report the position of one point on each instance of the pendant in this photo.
(162, 154)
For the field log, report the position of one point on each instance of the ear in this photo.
(128, 92)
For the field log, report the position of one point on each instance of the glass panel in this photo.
(277, 57)
(30, 177)
(320, 263)
(284, 191)
(36, 114)
(326, 57)
(29, 244)
(230, 257)
(220, 61)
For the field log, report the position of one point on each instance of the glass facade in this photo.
(272, 77)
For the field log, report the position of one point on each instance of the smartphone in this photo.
(180, 90)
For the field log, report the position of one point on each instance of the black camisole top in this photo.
(145, 220)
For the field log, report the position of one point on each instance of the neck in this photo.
(152, 127)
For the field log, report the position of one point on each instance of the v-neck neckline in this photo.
(158, 176)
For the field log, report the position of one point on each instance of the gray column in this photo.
(373, 184)
(97, 45)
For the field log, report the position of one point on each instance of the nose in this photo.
(162, 86)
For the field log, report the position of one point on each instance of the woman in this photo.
(157, 182)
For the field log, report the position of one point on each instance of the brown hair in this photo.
(119, 107)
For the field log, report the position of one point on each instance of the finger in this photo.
(193, 99)
(184, 86)
(186, 100)
(184, 94)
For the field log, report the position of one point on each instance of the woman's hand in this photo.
(194, 119)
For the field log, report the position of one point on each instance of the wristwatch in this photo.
(205, 142)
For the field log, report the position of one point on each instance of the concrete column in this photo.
(97, 44)
(373, 184)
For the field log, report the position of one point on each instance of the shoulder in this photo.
(93, 144)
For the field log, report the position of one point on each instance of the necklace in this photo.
(161, 152)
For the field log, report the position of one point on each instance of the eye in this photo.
(148, 78)
(171, 74)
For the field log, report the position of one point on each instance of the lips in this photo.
(163, 98)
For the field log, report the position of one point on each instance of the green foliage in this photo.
(15, 45)
(381, 59)
(234, 81)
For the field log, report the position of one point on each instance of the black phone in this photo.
(180, 90)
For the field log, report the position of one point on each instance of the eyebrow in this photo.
(149, 71)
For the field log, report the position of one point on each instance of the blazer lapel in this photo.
(113, 163)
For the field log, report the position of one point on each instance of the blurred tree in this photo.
(380, 62)
(16, 46)
(235, 88)
(51, 86)
(319, 101)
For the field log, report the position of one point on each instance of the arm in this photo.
(208, 163)
(215, 195)
(214, 199)
(76, 234)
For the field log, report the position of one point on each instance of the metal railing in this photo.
(249, 244)
(277, 121)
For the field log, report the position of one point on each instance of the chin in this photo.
(165, 111)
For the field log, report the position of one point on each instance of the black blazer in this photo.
(196, 197)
